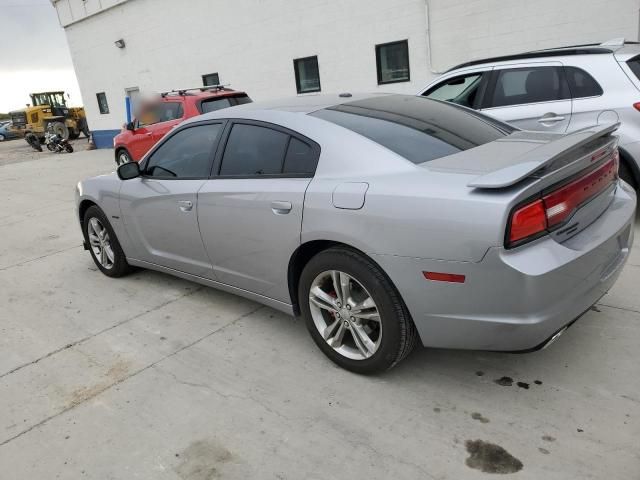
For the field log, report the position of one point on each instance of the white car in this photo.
(558, 90)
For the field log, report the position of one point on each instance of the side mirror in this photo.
(130, 126)
(127, 171)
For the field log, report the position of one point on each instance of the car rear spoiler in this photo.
(544, 155)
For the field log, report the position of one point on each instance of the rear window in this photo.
(417, 128)
(634, 65)
(213, 104)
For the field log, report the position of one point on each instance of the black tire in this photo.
(399, 335)
(626, 174)
(120, 266)
(51, 147)
(2, 138)
(122, 156)
(69, 148)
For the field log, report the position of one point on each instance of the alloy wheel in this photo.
(100, 243)
(123, 158)
(345, 315)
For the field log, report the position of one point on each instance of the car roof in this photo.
(302, 104)
(620, 47)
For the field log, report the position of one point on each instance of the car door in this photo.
(250, 211)
(159, 208)
(463, 88)
(532, 96)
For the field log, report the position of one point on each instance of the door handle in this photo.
(550, 119)
(185, 205)
(281, 208)
(149, 134)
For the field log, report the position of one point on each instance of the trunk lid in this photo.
(571, 177)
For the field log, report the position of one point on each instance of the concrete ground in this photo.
(151, 377)
(17, 150)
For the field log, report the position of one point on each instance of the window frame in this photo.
(106, 102)
(378, 49)
(222, 146)
(209, 75)
(212, 155)
(297, 74)
(493, 83)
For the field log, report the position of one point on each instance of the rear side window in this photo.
(581, 83)
(187, 154)
(213, 104)
(254, 150)
(417, 128)
(517, 86)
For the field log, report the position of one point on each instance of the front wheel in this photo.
(69, 148)
(103, 244)
(122, 157)
(354, 313)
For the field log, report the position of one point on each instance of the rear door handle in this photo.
(185, 205)
(281, 208)
(550, 119)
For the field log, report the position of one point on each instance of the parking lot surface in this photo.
(152, 377)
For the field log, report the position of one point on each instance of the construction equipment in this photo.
(50, 109)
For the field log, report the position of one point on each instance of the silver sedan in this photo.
(382, 220)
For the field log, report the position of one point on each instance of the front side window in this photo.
(103, 106)
(462, 90)
(187, 154)
(392, 62)
(254, 150)
(160, 112)
(519, 86)
(417, 128)
(581, 83)
(307, 74)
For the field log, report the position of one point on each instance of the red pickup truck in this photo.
(160, 115)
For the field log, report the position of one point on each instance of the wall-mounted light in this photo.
(120, 43)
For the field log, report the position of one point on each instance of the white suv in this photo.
(558, 90)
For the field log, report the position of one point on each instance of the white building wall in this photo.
(463, 30)
(252, 43)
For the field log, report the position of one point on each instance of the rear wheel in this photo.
(2, 138)
(103, 244)
(69, 148)
(354, 313)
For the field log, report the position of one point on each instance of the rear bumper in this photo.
(517, 299)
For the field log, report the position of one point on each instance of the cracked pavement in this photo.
(153, 377)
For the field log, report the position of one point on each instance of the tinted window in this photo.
(254, 150)
(392, 62)
(528, 85)
(215, 104)
(461, 90)
(187, 154)
(581, 83)
(300, 158)
(307, 74)
(417, 128)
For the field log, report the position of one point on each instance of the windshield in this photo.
(53, 99)
(417, 128)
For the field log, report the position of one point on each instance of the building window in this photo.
(210, 79)
(392, 62)
(307, 74)
(103, 106)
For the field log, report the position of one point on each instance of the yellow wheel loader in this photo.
(49, 110)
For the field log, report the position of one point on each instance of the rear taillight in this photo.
(553, 209)
(637, 106)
